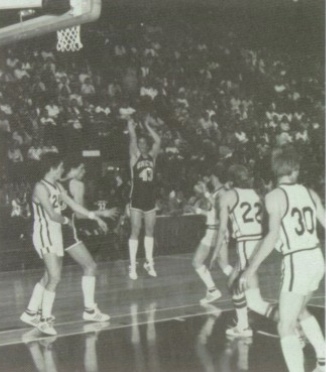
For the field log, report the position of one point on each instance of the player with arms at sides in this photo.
(293, 211)
(74, 170)
(142, 196)
(242, 205)
(208, 242)
(47, 239)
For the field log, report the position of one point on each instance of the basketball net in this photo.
(69, 39)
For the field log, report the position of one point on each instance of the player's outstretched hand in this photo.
(103, 226)
(110, 213)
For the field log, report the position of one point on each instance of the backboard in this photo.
(82, 11)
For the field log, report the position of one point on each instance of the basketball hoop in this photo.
(69, 39)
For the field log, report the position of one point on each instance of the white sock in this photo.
(133, 248)
(47, 303)
(206, 277)
(88, 288)
(315, 336)
(292, 352)
(149, 246)
(36, 299)
(240, 304)
(255, 302)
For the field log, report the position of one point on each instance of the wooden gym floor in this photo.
(156, 324)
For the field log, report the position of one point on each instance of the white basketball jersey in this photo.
(43, 225)
(211, 216)
(246, 215)
(299, 224)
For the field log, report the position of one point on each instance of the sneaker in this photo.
(46, 326)
(149, 267)
(95, 315)
(30, 319)
(237, 332)
(132, 272)
(211, 296)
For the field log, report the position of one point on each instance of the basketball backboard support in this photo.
(83, 11)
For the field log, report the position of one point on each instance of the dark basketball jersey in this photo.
(143, 188)
(66, 210)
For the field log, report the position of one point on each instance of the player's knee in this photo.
(286, 327)
(54, 279)
(304, 314)
(90, 268)
(196, 264)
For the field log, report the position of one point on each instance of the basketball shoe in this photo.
(95, 315)
(211, 296)
(149, 267)
(29, 318)
(46, 326)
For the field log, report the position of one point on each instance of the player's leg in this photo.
(315, 269)
(149, 220)
(136, 217)
(198, 263)
(242, 328)
(81, 255)
(290, 308)
(53, 265)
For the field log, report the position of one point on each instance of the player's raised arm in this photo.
(319, 207)
(41, 195)
(133, 148)
(157, 140)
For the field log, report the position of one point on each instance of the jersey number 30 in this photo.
(305, 220)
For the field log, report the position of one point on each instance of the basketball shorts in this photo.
(245, 249)
(145, 207)
(69, 236)
(48, 240)
(302, 271)
(143, 201)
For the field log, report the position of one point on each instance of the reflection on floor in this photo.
(156, 324)
(184, 344)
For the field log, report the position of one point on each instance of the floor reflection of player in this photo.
(204, 355)
(142, 196)
(293, 212)
(152, 354)
(42, 353)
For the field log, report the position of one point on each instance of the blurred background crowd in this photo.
(213, 91)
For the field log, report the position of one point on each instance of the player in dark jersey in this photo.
(47, 239)
(293, 212)
(142, 196)
(73, 185)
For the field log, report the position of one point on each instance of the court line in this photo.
(110, 327)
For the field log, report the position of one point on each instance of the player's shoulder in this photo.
(276, 196)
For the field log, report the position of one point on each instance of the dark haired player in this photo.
(142, 196)
(74, 173)
(293, 212)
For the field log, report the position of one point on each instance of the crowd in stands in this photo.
(209, 95)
